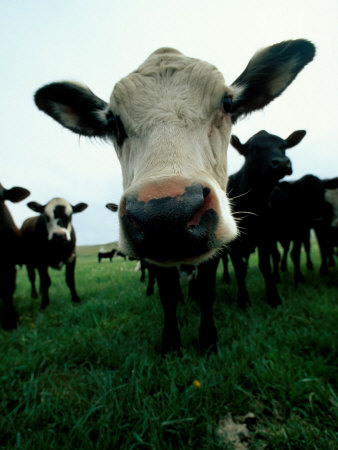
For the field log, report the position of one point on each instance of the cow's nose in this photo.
(281, 164)
(59, 236)
(170, 227)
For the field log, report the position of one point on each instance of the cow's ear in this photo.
(236, 143)
(37, 207)
(268, 73)
(16, 194)
(112, 207)
(295, 138)
(75, 107)
(79, 207)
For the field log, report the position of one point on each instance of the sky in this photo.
(98, 42)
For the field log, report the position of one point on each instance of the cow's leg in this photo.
(324, 247)
(151, 281)
(45, 282)
(276, 260)
(307, 247)
(225, 259)
(240, 268)
(295, 256)
(272, 294)
(143, 270)
(31, 276)
(170, 294)
(204, 295)
(284, 263)
(70, 280)
(7, 284)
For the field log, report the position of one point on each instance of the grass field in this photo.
(90, 376)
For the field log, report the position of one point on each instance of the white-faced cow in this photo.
(49, 241)
(170, 122)
(10, 244)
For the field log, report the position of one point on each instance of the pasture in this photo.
(90, 375)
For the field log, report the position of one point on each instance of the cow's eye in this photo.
(227, 104)
(116, 127)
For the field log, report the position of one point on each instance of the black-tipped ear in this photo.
(236, 143)
(295, 138)
(75, 107)
(37, 207)
(269, 73)
(79, 207)
(16, 194)
(112, 207)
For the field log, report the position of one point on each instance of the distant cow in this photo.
(107, 255)
(49, 241)
(327, 230)
(297, 207)
(250, 189)
(10, 252)
(170, 122)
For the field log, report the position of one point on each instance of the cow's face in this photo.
(265, 157)
(58, 217)
(170, 122)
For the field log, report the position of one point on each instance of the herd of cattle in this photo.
(170, 123)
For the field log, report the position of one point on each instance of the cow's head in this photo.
(170, 122)
(58, 216)
(265, 158)
(14, 195)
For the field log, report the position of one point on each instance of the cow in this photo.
(297, 207)
(10, 244)
(109, 255)
(170, 122)
(250, 189)
(327, 229)
(49, 241)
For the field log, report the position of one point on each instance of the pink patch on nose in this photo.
(172, 188)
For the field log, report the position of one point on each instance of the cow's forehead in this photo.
(55, 204)
(168, 86)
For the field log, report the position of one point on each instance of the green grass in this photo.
(90, 376)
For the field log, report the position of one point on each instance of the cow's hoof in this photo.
(171, 342)
(208, 340)
(76, 299)
(44, 303)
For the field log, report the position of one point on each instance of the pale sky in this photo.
(98, 42)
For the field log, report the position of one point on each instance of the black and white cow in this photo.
(10, 244)
(49, 241)
(170, 122)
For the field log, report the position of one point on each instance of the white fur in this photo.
(52, 225)
(171, 109)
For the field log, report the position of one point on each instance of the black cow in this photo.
(107, 255)
(49, 241)
(250, 189)
(10, 244)
(297, 207)
(170, 122)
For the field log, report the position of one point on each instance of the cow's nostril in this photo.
(275, 163)
(206, 192)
